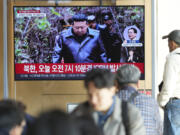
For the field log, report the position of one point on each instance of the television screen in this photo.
(62, 43)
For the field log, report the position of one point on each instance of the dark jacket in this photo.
(112, 44)
(4, 131)
(89, 50)
(29, 121)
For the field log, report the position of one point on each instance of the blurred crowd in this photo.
(114, 107)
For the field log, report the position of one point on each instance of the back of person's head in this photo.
(29, 119)
(102, 78)
(11, 115)
(79, 18)
(127, 74)
(53, 122)
(21, 105)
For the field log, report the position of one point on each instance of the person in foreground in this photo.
(11, 118)
(127, 77)
(113, 116)
(169, 97)
(57, 122)
(53, 122)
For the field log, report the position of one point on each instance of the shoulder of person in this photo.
(132, 118)
(174, 54)
(136, 123)
(102, 26)
(66, 32)
(93, 31)
(172, 58)
(81, 109)
(57, 37)
(132, 109)
(147, 99)
(133, 113)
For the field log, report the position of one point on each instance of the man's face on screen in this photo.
(131, 34)
(108, 23)
(80, 28)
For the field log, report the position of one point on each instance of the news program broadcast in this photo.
(63, 43)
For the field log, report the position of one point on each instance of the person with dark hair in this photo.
(28, 118)
(127, 77)
(79, 44)
(132, 42)
(53, 122)
(111, 39)
(11, 118)
(91, 19)
(113, 116)
(132, 32)
(86, 125)
(132, 56)
(169, 97)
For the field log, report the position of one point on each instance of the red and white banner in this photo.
(70, 68)
(30, 13)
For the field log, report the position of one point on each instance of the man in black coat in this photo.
(79, 44)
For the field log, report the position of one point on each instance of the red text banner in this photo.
(68, 68)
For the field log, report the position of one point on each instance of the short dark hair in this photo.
(11, 114)
(107, 15)
(135, 31)
(53, 122)
(79, 18)
(102, 78)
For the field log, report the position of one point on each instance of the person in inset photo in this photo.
(110, 38)
(79, 44)
(132, 44)
(132, 57)
(91, 19)
(132, 34)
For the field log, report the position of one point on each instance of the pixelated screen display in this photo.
(62, 43)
